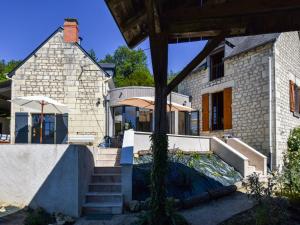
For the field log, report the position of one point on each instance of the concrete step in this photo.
(113, 151)
(106, 178)
(103, 197)
(107, 157)
(102, 208)
(105, 187)
(112, 169)
(109, 163)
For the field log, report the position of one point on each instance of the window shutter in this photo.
(205, 112)
(61, 128)
(292, 96)
(227, 108)
(21, 127)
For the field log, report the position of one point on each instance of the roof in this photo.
(243, 44)
(108, 65)
(190, 20)
(44, 42)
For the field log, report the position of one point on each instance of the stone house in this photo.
(231, 89)
(60, 69)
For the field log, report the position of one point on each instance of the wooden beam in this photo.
(277, 21)
(210, 46)
(231, 8)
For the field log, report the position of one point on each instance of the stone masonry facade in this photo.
(248, 75)
(287, 67)
(64, 72)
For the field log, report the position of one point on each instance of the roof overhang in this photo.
(190, 20)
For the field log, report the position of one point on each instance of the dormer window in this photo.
(217, 65)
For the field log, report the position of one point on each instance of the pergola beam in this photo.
(210, 46)
(240, 19)
(233, 9)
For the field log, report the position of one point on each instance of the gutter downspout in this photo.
(270, 115)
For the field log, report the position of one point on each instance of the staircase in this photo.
(105, 191)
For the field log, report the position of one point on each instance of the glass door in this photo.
(48, 128)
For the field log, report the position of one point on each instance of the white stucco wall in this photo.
(54, 177)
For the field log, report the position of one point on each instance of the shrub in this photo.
(172, 216)
(294, 140)
(38, 217)
(268, 204)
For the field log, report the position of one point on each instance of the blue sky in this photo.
(26, 23)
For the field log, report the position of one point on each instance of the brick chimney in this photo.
(71, 32)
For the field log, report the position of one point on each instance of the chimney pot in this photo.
(71, 31)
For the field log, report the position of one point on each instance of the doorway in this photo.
(48, 128)
(217, 111)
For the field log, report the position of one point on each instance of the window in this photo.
(217, 111)
(295, 99)
(128, 117)
(48, 128)
(171, 122)
(193, 118)
(144, 120)
(217, 65)
(188, 123)
(118, 117)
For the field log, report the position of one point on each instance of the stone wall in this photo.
(247, 74)
(287, 67)
(55, 71)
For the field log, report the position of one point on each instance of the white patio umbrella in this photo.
(42, 103)
(149, 103)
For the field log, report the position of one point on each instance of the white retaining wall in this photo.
(182, 142)
(54, 177)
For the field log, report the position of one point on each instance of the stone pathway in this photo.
(211, 213)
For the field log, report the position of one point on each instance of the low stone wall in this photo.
(54, 177)
(182, 142)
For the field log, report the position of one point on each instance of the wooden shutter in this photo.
(21, 127)
(61, 128)
(292, 96)
(205, 112)
(227, 108)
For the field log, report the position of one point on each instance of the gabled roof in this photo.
(243, 44)
(44, 42)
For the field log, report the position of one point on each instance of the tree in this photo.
(93, 55)
(130, 64)
(140, 77)
(6, 68)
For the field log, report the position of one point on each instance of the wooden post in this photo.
(41, 122)
(159, 54)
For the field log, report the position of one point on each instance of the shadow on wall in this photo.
(65, 187)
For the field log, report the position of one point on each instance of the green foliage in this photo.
(38, 217)
(93, 55)
(140, 77)
(290, 180)
(172, 217)
(159, 148)
(130, 65)
(6, 68)
(294, 140)
(270, 210)
(258, 190)
(171, 76)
